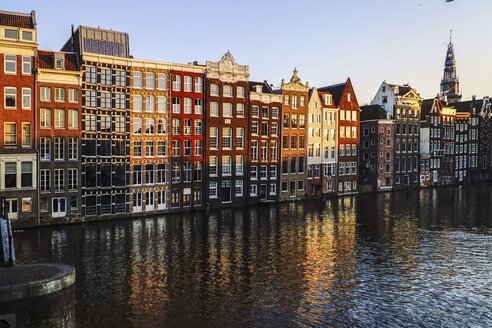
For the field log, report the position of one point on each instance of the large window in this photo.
(198, 148)
(240, 138)
(106, 77)
(10, 98)
(226, 165)
(73, 179)
(26, 174)
(10, 64)
(120, 80)
(45, 94)
(188, 87)
(137, 125)
(59, 179)
(73, 148)
(213, 166)
(214, 138)
(59, 118)
(176, 105)
(45, 180)
(45, 148)
(59, 148)
(176, 82)
(150, 126)
(105, 99)
(73, 119)
(26, 135)
(59, 94)
(162, 81)
(198, 84)
(26, 98)
(162, 104)
(10, 175)
(161, 126)
(137, 80)
(10, 134)
(149, 81)
(227, 138)
(214, 109)
(187, 108)
(91, 75)
(150, 104)
(73, 95)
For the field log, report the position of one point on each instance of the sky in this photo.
(327, 41)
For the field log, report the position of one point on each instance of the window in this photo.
(214, 90)
(72, 148)
(240, 92)
(187, 108)
(27, 35)
(187, 84)
(150, 126)
(10, 64)
(198, 127)
(227, 91)
(198, 84)
(120, 101)
(137, 125)
(176, 105)
(137, 148)
(44, 180)
(293, 164)
(227, 138)
(161, 173)
(26, 135)
(175, 173)
(161, 126)
(286, 100)
(91, 99)
(137, 103)
(91, 75)
(213, 165)
(137, 80)
(176, 82)
(10, 134)
(274, 150)
(149, 81)
(137, 175)
(264, 150)
(10, 98)
(162, 104)
(263, 172)
(254, 128)
(10, 177)
(239, 188)
(187, 147)
(45, 94)
(150, 104)
(11, 34)
(239, 165)
(294, 102)
(26, 98)
(240, 110)
(176, 148)
(149, 174)
(253, 190)
(59, 94)
(106, 77)
(264, 129)
(198, 106)
(73, 179)
(240, 138)
(227, 109)
(254, 173)
(187, 172)
(212, 189)
(59, 179)
(254, 150)
(105, 100)
(45, 148)
(176, 126)
(120, 80)
(162, 81)
(214, 137)
(73, 95)
(161, 148)
(302, 121)
(198, 147)
(214, 109)
(59, 148)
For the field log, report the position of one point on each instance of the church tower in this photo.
(450, 85)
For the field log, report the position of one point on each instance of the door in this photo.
(226, 191)
(263, 191)
(137, 202)
(13, 208)
(59, 207)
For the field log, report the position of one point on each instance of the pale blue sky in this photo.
(370, 41)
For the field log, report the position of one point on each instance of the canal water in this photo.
(420, 258)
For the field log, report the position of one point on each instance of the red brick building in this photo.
(226, 147)
(58, 131)
(294, 137)
(348, 135)
(18, 165)
(264, 140)
(187, 84)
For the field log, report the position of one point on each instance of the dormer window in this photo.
(258, 88)
(11, 34)
(383, 88)
(327, 99)
(348, 97)
(59, 64)
(59, 61)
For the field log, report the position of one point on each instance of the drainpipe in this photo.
(36, 148)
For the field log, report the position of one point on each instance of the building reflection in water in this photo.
(290, 264)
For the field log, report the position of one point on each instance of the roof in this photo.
(402, 89)
(466, 106)
(372, 112)
(426, 107)
(336, 91)
(265, 86)
(46, 60)
(21, 20)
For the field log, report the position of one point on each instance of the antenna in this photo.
(450, 35)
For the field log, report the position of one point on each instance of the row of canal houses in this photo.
(91, 131)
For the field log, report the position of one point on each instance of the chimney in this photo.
(71, 39)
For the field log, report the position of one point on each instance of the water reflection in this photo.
(401, 259)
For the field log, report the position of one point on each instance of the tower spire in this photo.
(450, 85)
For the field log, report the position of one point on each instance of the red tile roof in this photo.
(17, 19)
(45, 59)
